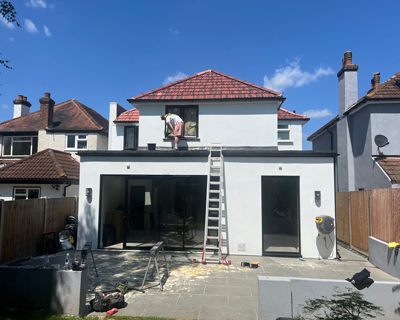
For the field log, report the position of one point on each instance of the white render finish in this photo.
(46, 190)
(243, 204)
(296, 135)
(232, 124)
(57, 141)
(20, 110)
(115, 130)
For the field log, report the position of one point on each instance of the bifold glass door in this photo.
(280, 215)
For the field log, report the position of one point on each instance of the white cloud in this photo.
(4, 106)
(174, 32)
(47, 31)
(7, 24)
(315, 113)
(293, 76)
(30, 26)
(37, 4)
(177, 76)
(11, 39)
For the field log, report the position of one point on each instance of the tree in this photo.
(8, 12)
(349, 305)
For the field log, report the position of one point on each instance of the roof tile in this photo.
(284, 114)
(48, 164)
(128, 116)
(392, 168)
(208, 85)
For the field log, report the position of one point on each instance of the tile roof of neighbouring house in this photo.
(208, 85)
(392, 168)
(68, 116)
(128, 116)
(390, 89)
(49, 164)
(284, 114)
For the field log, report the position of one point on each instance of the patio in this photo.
(197, 291)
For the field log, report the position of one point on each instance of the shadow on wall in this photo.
(87, 229)
(325, 244)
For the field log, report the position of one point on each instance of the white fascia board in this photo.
(384, 172)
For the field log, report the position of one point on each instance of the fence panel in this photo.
(342, 216)
(23, 224)
(359, 209)
(22, 229)
(386, 214)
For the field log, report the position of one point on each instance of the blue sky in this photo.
(107, 51)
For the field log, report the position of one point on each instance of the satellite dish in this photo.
(381, 140)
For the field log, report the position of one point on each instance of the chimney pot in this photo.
(20, 97)
(348, 57)
(47, 95)
(24, 98)
(375, 81)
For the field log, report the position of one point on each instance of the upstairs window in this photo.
(131, 138)
(189, 115)
(20, 146)
(283, 132)
(26, 193)
(77, 141)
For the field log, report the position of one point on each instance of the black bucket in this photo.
(151, 146)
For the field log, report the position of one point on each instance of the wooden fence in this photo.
(22, 223)
(360, 214)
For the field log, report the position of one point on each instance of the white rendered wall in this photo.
(46, 190)
(296, 136)
(244, 202)
(243, 194)
(232, 124)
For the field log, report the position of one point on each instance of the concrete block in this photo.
(68, 292)
(274, 298)
(381, 256)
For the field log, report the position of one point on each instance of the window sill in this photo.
(285, 142)
(187, 139)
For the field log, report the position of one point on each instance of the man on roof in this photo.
(177, 126)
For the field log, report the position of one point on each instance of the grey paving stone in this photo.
(244, 301)
(224, 290)
(242, 282)
(229, 312)
(172, 311)
(202, 300)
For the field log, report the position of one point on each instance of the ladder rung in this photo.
(214, 174)
(215, 158)
(213, 228)
(213, 218)
(214, 191)
(213, 209)
(214, 182)
(212, 237)
(215, 167)
(212, 247)
(213, 258)
(214, 200)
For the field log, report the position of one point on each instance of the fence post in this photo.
(45, 214)
(1, 224)
(76, 204)
(370, 213)
(349, 206)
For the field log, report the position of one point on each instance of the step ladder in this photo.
(212, 246)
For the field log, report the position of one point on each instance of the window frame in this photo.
(77, 139)
(283, 130)
(12, 146)
(167, 130)
(26, 192)
(136, 139)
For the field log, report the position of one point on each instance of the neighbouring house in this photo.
(141, 191)
(68, 126)
(47, 173)
(365, 133)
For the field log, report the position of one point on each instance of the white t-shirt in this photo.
(174, 119)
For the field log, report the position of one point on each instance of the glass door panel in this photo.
(280, 215)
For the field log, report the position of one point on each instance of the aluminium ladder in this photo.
(212, 246)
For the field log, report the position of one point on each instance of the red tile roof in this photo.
(284, 114)
(390, 89)
(128, 116)
(392, 168)
(69, 116)
(208, 85)
(49, 165)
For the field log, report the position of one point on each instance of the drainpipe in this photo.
(65, 188)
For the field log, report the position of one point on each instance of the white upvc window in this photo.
(283, 132)
(19, 146)
(76, 141)
(26, 193)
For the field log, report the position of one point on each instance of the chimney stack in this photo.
(376, 80)
(21, 106)
(348, 83)
(46, 111)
